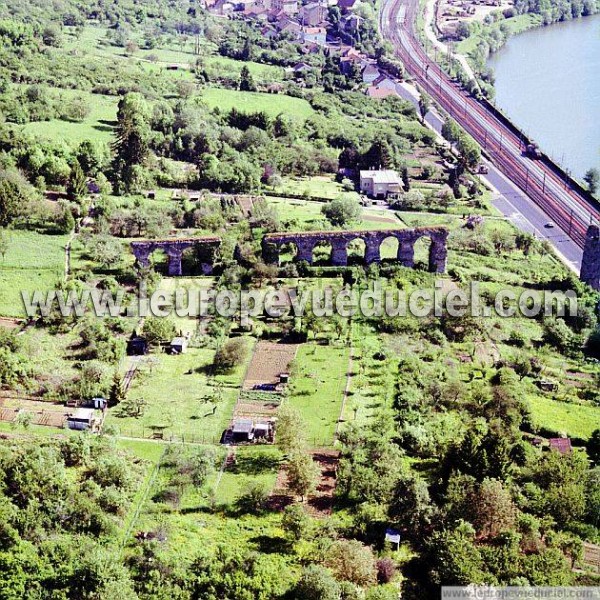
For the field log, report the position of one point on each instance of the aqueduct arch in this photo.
(174, 249)
(306, 241)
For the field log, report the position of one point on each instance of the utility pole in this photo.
(544, 184)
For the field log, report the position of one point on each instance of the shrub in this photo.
(231, 354)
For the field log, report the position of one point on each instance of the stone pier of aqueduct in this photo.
(306, 242)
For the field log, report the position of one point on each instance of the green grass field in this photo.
(253, 464)
(32, 262)
(178, 402)
(97, 126)
(272, 104)
(573, 419)
(317, 389)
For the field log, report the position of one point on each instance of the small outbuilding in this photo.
(562, 445)
(178, 345)
(99, 403)
(242, 430)
(81, 419)
(137, 346)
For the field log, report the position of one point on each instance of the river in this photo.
(548, 83)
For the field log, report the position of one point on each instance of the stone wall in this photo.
(590, 263)
(174, 249)
(305, 243)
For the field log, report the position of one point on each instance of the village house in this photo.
(288, 7)
(370, 73)
(286, 25)
(137, 346)
(313, 14)
(349, 57)
(380, 184)
(562, 445)
(350, 23)
(381, 93)
(383, 87)
(268, 32)
(317, 35)
(301, 67)
(346, 6)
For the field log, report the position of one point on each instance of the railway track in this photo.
(555, 196)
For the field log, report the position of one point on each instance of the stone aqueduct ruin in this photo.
(174, 249)
(305, 243)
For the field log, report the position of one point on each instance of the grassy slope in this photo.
(33, 262)
(573, 419)
(317, 389)
(97, 126)
(272, 104)
(177, 399)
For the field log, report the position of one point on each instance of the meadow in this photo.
(179, 400)
(33, 262)
(272, 104)
(97, 126)
(317, 389)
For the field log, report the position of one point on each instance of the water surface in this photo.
(548, 82)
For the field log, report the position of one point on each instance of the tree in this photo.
(117, 392)
(349, 560)
(246, 80)
(4, 243)
(493, 508)
(132, 141)
(77, 109)
(105, 250)
(378, 156)
(341, 211)
(289, 434)
(253, 498)
(424, 105)
(302, 473)
(295, 522)
(592, 497)
(469, 151)
(230, 355)
(411, 506)
(592, 178)
(77, 187)
(51, 36)
(561, 477)
(593, 445)
(157, 329)
(15, 194)
(454, 557)
(317, 583)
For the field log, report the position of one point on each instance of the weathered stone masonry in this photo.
(590, 263)
(306, 242)
(174, 249)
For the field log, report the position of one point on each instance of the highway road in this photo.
(532, 192)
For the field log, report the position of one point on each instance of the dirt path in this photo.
(68, 254)
(346, 392)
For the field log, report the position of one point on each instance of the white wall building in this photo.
(379, 184)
